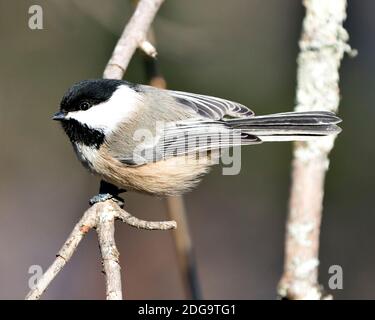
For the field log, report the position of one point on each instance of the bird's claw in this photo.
(108, 191)
(101, 197)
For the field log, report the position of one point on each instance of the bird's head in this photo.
(91, 109)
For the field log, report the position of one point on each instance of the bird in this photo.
(162, 142)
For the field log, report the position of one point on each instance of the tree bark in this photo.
(322, 46)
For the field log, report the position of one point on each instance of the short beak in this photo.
(59, 116)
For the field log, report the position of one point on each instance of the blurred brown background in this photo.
(242, 50)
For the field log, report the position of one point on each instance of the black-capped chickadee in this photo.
(141, 138)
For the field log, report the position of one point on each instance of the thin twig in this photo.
(102, 215)
(147, 225)
(323, 44)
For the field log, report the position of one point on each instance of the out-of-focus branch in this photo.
(184, 248)
(322, 44)
(175, 205)
(102, 215)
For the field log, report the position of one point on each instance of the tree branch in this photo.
(103, 214)
(100, 216)
(110, 255)
(134, 36)
(322, 44)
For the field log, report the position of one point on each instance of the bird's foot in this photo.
(101, 197)
(108, 191)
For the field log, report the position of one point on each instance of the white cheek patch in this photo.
(107, 115)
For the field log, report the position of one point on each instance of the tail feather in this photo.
(289, 126)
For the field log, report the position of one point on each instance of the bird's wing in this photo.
(187, 137)
(204, 132)
(211, 107)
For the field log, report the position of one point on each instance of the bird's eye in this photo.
(84, 105)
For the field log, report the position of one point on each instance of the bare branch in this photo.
(100, 216)
(110, 255)
(133, 36)
(147, 225)
(323, 44)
